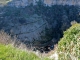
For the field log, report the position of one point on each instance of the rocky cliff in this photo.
(27, 28)
(24, 3)
(37, 24)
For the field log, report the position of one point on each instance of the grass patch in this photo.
(69, 45)
(8, 52)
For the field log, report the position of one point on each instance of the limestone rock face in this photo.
(29, 29)
(24, 3)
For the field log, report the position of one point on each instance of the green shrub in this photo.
(10, 53)
(69, 45)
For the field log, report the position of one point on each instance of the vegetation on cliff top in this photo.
(9, 50)
(10, 53)
(69, 45)
(68, 48)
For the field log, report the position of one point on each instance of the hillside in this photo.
(69, 45)
(10, 50)
(68, 48)
(10, 53)
(40, 27)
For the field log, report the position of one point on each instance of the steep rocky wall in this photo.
(32, 28)
(24, 3)
(39, 23)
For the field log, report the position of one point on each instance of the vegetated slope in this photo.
(10, 53)
(9, 50)
(69, 45)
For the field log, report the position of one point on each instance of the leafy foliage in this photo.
(10, 53)
(69, 45)
(12, 50)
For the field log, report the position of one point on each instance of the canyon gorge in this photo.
(39, 22)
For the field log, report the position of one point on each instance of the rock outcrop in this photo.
(32, 28)
(38, 24)
(23, 3)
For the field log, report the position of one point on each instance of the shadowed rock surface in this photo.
(38, 25)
